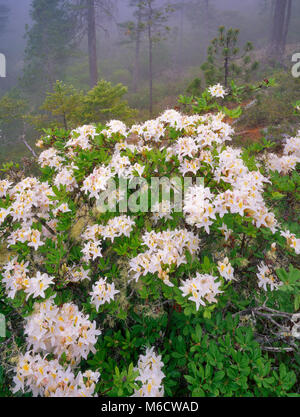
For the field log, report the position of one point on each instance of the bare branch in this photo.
(277, 349)
(29, 147)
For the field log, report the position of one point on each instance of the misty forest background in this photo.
(71, 62)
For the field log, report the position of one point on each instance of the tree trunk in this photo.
(280, 27)
(150, 60)
(181, 49)
(207, 40)
(92, 43)
(286, 25)
(150, 74)
(226, 65)
(65, 121)
(226, 72)
(136, 72)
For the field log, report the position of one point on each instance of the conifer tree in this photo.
(67, 107)
(224, 59)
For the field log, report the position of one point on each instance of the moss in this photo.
(5, 254)
(83, 219)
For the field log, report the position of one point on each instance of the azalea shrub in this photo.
(185, 289)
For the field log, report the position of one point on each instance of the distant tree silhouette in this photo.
(4, 15)
(50, 43)
(155, 20)
(134, 30)
(90, 14)
(280, 27)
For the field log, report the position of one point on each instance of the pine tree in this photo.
(67, 107)
(106, 101)
(64, 103)
(224, 59)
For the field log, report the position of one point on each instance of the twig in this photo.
(277, 349)
(105, 392)
(44, 223)
(268, 316)
(260, 311)
(278, 313)
(29, 147)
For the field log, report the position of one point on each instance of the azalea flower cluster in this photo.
(153, 130)
(121, 166)
(16, 278)
(57, 331)
(205, 133)
(291, 240)
(292, 146)
(266, 277)
(97, 182)
(291, 156)
(113, 127)
(65, 177)
(203, 288)
(198, 208)
(283, 164)
(63, 208)
(116, 227)
(4, 187)
(201, 206)
(29, 201)
(29, 198)
(150, 376)
(81, 137)
(217, 91)
(226, 270)
(165, 249)
(3, 214)
(103, 292)
(50, 158)
(162, 210)
(60, 330)
(246, 196)
(47, 378)
(75, 273)
(26, 234)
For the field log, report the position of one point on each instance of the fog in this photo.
(177, 54)
(12, 42)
